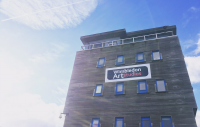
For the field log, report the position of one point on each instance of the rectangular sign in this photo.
(125, 73)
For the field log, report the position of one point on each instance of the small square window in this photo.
(119, 122)
(120, 88)
(166, 121)
(95, 123)
(98, 90)
(101, 62)
(156, 55)
(145, 122)
(120, 60)
(140, 57)
(142, 87)
(160, 85)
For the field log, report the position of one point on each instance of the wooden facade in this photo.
(178, 101)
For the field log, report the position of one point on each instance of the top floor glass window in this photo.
(101, 62)
(166, 121)
(120, 60)
(156, 55)
(119, 122)
(95, 123)
(140, 57)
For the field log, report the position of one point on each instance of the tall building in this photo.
(130, 79)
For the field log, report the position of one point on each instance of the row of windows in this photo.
(142, 87)
(166, 121)
(156, 55)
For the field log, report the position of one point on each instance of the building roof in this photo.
(123, 34)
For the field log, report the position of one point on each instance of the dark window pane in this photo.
(150, 37)
(159, 35)
(129, 40)
(138, 39)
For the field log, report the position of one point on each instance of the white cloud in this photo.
(28, 110)
(193, 67)
(13, 73)
(196, 51)
(198, 118)
(51, 55)
(49, 13)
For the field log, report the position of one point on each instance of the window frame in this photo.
(119, 118)
(119, 63)
(117, 93)
(166, 117)
(157, 85)
(103, 62)
(95, 119)
(142, 91)
(98, 94)
(142, 59)
(146, 118)
(159, 54)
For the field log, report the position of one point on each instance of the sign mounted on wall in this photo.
(125, 73)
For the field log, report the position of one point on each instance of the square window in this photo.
(119, 122)
(142, 87)
(156, 55)
(161, 86)
(140, 57)
(119, 88)
(145, 122)
(120, 60)
(166, 121)
(98, 90)
(95, 123)
(101, 62)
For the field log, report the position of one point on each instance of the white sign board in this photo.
(125, 73)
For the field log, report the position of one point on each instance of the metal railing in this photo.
(127, 40)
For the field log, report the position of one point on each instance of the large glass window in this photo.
(140, 57)
(160, 85)
(142, 87)
(98, 90)
(156, 55)
(145, 122)
(119, 122)
(95, 123)
(101, 62)
(120, 60)
(166, 121)
(120, 88)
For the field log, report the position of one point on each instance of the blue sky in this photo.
(39, 41)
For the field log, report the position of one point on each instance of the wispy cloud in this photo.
(51, 55)
(59, 91)
(48, 14)
(188, 43)
(190, 14)
(194, 9)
